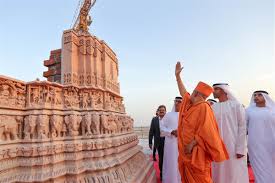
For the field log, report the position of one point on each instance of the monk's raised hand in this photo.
(178, 69)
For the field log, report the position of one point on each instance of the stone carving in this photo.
(111, 85)
(127, 124)
(12, 93)
(45, 94)
(86, 124)
(35, 95)
(71, 97)
(108, 124)
(43, 126)
(57, 126)
(30, 127)
(88, 79)
(113, 103)
(119, 105)
(118, 121)
(67, 78)
(104, 123)
(122, 108)
(52, 131)
(95, 126)
(50, 95)
(74, 78)
(53, 95)
(73, 124)
(5, 91)
(85, 101)
(9, 127)
(93, 79)
(107, 101)
(58, 97)
(81, 79)
(21, 100)
(97, 100)
(99, 81)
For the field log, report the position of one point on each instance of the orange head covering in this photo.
(204, 89)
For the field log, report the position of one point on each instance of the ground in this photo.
(147, 151)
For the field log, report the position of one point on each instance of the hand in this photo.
(239, 156)
(175, 133)
(150, 146)
(188, 149)
(178, 69)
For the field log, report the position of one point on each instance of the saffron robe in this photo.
(197, 121)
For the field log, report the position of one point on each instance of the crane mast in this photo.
(84, 20)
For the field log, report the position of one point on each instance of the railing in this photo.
(142, 132)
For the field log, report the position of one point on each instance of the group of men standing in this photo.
(203, 141)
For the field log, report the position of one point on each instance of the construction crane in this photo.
(83, 20)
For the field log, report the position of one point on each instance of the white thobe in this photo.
(170, 170)
(261, 143)
(230, 116)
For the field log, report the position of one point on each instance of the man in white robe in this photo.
(260, 117)
(230, 116)
(168, 128)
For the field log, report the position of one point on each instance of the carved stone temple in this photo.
(73, 127)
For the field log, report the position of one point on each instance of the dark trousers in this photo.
(154, 152)
(160, 153)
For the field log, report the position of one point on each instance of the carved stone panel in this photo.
(73, 124)
(58, 128)
(30, 127)
(12, 93)
(9, 127)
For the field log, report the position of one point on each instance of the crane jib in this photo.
(83, 20)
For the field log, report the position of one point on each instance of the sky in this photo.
(228, 41)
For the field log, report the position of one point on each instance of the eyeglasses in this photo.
(177, 101)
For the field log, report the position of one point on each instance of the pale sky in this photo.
(217, 40)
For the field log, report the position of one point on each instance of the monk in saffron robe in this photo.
(199, 141)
